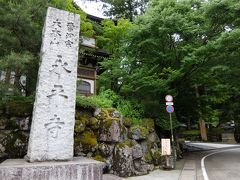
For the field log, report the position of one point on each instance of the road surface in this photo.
(215, 162)
(223, 165)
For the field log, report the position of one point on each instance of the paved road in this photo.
(223, 165)
(215, 162)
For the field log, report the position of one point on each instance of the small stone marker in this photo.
(51, 136)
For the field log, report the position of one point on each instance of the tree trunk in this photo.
(203, 130)
(17, 79)
(202, 124)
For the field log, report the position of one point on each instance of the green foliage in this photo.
(19, 109)
(163, 120)
(108, 99)
(189, 49)
(131, 109)
(20, 37)
(93, 102)
(125, 9)
(19, 106)
(21, 99)
(114, 39)
(5, 94)
(16, 60)
(110, 95)
(69, 5)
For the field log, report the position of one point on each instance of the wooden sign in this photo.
(166, 147)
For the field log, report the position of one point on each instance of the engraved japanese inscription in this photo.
(51, 136)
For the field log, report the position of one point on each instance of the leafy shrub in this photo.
(108, 99)
(17, 105)
(110, 95)
(131, 109)
(93, 102)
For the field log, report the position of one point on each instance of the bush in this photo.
(17, 105)
(93, 102)
(131, 109)
(107, 99)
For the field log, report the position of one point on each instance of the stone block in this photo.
(52, 127)
(78, 169)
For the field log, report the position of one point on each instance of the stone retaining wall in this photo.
(104, 135)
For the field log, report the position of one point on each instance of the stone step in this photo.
(77, 169)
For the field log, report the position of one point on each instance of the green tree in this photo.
(184, 48)
(21, 26)
(127, 9)
(115, 40)
(20, 36)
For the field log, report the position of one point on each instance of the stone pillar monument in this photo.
(52, 130)
(51, 136)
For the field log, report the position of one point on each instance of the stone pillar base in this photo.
(78, 169)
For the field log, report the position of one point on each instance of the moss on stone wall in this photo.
(99, 158)
(148, 157)
(120, 143)
(148, 124)
(103, 114)
(79, 126)
(127, 122)
(128, 143)
(110, 110)
(108, 122)
(157, 157)
(138, 132)
(88, 139)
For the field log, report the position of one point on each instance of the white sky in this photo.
(91, 7)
